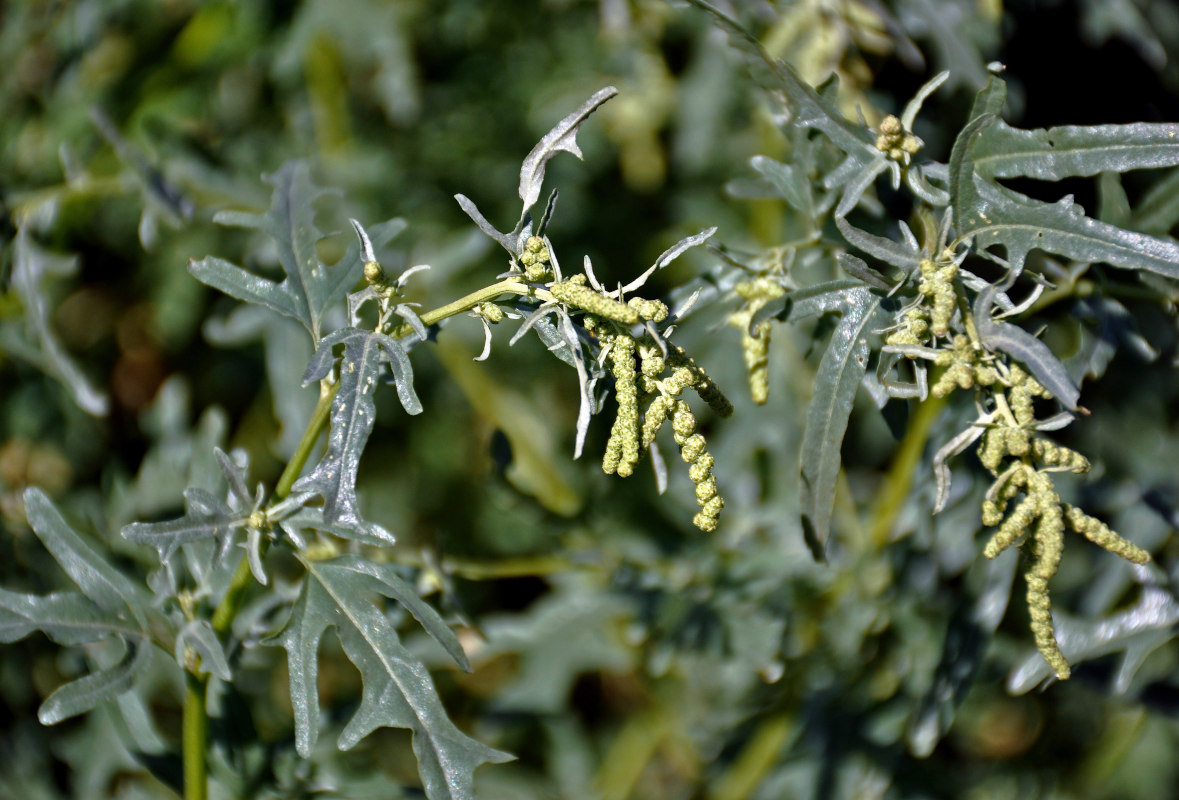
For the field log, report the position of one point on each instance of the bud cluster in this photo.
(897, 143)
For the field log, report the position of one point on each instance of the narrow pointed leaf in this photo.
(563, 136)
(31, 266)
(93, 574)
(67, 618)
(840, 371)
(507, 242)
(82, 695)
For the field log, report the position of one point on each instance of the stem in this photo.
(195, 738)
(466, 303)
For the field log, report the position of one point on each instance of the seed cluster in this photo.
(755, 340)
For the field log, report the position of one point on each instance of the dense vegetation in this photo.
(856, 337)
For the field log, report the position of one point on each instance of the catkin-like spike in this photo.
(756, 349)
(1101, 534)
(1017, 441)
(1051, 454)
(651, 361)
(575, 293)
(1013, 527)
(626, 424)
(1048, 545)
(708, 391)
(656, 415)
(992, 449)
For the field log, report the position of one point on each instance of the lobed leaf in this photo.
(840, 371)
(309, 287)
(1052, 154)
(563, 136)
(206, 518)
(398, 690)
(352, 417)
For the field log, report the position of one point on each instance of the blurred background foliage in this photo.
(618, 652)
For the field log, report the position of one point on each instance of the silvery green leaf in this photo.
(1136, 633)
(1052, 154)
(536, 316)
(81, 695)
(859, 269)
(997, 215)
(853, 192)
(67, 618)
(964, 650)
(1158, 209)
(554, 342)
(235, 476)
(808, 108)
(917, 178)
(947, 451)
(1025, 348)
(94, 575)
(401, 369)
(550, 206)
(669, 255)
(398, 691)
(887, 250)
(563, 136)
(810, 301)
(506, 241)
(585, 407)
(352, 416)
(406, 312)
(792, 184)
(30, 267)
(309, 287)
(206, 518)
(838, 378)
(386, 581)
(199, 635)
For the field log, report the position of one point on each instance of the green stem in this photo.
(195, 738)
(196, 721)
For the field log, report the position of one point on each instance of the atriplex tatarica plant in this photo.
(933, 316)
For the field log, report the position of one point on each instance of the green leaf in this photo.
(840, 371)
(1052, 154)
(993, 214)
(563, 137)
(387, 582)
(31, 267)
(398, 690)
(206, 518)
(79, 696)
(67, 618)
(309, 286)
(352, 417)
(95, 576)
(1136, 633)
